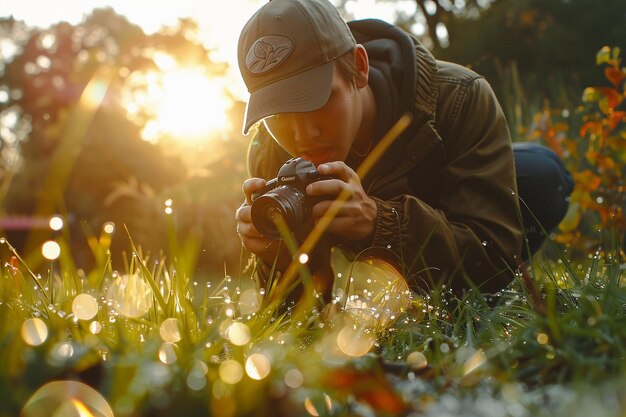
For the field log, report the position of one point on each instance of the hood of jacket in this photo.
(403, 78)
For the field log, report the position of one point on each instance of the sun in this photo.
(178, 102)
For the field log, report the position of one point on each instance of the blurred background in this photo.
(128, 114)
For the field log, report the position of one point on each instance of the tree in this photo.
(81, 155)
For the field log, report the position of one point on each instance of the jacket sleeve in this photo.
(469, 233)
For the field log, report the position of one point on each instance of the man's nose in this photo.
(304, 127)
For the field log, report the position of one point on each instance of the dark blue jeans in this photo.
(544, 186)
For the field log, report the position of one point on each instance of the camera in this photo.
(285, 195)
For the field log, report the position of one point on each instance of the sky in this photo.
(220, 21)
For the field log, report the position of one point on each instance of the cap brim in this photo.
(306, 91)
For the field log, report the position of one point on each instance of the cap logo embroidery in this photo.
(267, 53)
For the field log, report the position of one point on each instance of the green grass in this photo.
(552, 344)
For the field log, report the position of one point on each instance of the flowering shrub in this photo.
(595, 154)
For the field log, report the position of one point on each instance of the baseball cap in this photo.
(285, 55)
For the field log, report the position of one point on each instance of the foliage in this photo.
(594, 149)
(544, 45)
(83, 156)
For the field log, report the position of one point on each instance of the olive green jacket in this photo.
(445, 190)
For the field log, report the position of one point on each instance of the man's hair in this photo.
(347, 66)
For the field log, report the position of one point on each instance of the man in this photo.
(443, 198)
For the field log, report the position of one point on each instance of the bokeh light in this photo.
(294, 378)
(196, 379)
(416, 360)
(95, 327)
(371, 289)
(312, 410)
(130, 296)
(354, 340)
(108, 227)
(34, 331)
(167, 353)
(169, 330)
(474, 362)
(238, 333)
(56, 223)
(231, 371)
(258, 366)
(51, 250)
(85, 306)
(67, 399)
(249, 301)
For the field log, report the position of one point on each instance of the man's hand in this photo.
(357, 217)
(250, 237)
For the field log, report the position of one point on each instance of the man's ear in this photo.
(362, 66)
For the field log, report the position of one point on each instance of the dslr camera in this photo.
(285, 195)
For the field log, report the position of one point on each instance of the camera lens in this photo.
(285, 201)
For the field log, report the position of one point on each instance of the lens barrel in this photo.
(289, 202)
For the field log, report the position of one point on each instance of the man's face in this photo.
(325, 134)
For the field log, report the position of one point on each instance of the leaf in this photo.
(262, 49)
(617, 118)
(572, 218)
(370, 387)
(590, 127)
(616, 51)
(591, 95)
(614, 75)
(587, 179)
(603, 56)
(613, 96)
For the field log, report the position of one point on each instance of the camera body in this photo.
(285, 195)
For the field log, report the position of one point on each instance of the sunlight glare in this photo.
(179, 102)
